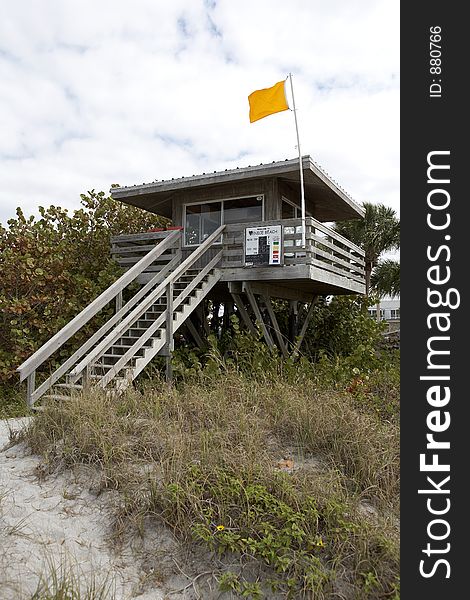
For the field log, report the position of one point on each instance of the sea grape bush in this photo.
(52, 266)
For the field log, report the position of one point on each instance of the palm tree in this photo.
(377, 232)
(385, 279)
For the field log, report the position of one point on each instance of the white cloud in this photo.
(95, 93)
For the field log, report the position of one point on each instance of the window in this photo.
(243, 210)
(200, 220)
(288, 210)
(395, 313)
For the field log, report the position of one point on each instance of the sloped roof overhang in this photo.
(331, 202)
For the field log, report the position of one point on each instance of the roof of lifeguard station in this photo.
(330, 199)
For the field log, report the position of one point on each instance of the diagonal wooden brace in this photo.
(305, 325)
(258, 315)
(275, 324)
(244, 313)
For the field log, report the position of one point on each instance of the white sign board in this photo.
(263, 246)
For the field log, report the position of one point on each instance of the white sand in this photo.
(56, 521)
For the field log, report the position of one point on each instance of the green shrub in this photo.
(52, 266)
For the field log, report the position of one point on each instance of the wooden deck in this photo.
(329, 264)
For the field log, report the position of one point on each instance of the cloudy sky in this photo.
(96, 92)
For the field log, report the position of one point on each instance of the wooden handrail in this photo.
(96, 337)
(159, 321)
(143, 307)
(33, 362)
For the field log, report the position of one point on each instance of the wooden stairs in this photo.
(138, 331)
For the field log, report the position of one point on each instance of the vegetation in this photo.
(377, 233)
(291, 478)
(286, 471)
(66, 582)
(385, 279)
(50, 267)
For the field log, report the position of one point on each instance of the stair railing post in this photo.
(118, 301)
(30, 383)
(86, 378)
(169, 332)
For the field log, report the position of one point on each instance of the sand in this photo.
(55, 524)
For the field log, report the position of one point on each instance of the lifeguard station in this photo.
(236, 241)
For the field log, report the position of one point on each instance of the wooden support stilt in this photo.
(215, 321)
(228, 312)
(194, 332)
(275, 324)
(86, 378)
(202, 316)
(169, 332)
(244, 313)
(258, 315)
(303, 331)
(293, 321)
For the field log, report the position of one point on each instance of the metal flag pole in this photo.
(302, 193)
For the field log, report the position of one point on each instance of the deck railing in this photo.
(325, 248)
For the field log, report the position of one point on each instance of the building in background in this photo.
(389, 311)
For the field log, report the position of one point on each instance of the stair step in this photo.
(135, 334)
(143, 323)
(119, 354)
(71, 386)
(114, 355)
(108, 365)
(127, 341)
(114, 358)
(102, 366)
(137, 328)
(115, 379)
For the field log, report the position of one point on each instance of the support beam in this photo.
(293, 321)
(258, 315)
(215, 321)
(275, 324)
(303, 331)
(244, 313)
(228, 312)
(169, 332)
(202, 316)
(194, 332)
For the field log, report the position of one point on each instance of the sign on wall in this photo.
(263, 246)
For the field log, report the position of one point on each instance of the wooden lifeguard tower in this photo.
(236, 240)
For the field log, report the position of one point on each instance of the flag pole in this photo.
(302, 193)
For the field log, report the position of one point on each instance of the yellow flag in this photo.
(268, 101)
